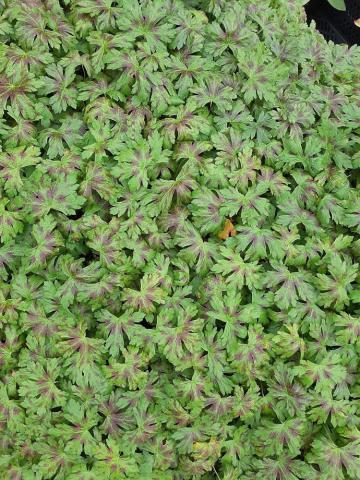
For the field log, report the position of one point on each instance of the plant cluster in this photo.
(179, 242)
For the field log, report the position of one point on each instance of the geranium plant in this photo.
(179, 242)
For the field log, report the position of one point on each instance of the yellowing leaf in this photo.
(228, 231)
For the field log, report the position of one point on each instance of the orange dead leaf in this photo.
(228, 231)
(357, 22)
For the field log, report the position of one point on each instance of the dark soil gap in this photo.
(333, 24)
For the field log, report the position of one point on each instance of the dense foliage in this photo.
(179, 226)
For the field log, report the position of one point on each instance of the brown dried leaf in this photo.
(228, 231)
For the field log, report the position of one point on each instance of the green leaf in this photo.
(338, 4)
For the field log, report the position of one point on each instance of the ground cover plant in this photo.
(179, 242)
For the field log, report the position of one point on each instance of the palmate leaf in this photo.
(64, 135)
(104, 12)
(111, 464)
(118, 329)
(48, 240)
(13, 162)
(53, 462)
(288, 342)
(16, 91)
(148, 296)
(352, 219)
(59, 83)
(260, 78)
(228, 145)
(339, 282)
(9, 254)
(205, 207)
(177, 190)
(325, 374)
(212, 93)
(238, 272)
(334, 460)
(130, 372)
(97, 181)
(284, 467)
(291, 214)
(252, 205)
(291, 286)
(289, 397)
(59, 196)
(139, 160)
(99, 141)
(235, 316)
(184, 123)
(39, 391)
(185, 71)
(250, 358)
(258, 243)
(349, 326)
(195, 250)
(10, 221)
(181, 334)
(285, 436)
(339, 412)
(151, 22)
(81, 421)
